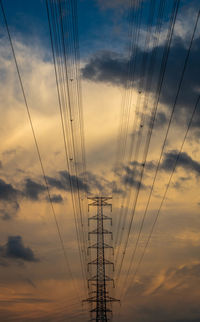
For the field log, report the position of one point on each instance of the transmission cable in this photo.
(158, 91)
(164, 143)
(37, 149)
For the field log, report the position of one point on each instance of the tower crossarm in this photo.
(104, 217)
(106, 261)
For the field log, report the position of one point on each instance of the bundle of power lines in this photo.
(139, 124)
(62, 18)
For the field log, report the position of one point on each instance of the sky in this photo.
(119, 80)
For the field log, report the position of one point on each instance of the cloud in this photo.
(76, 182)
(161, 119)
(107, 67)
(56, 198)
(8, 209)
(130, 181)
(15, 249)
(56, 183)
(33, 189)
(117, 188)
(149, 165)
(9, 205)
(180, 182)
(93, 182)
(131, 175)
(111, 67)
(172, 295)
(65, 180)
(7, 192)
(172, 279)
(184, 161)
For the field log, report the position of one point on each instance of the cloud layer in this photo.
(15, 249)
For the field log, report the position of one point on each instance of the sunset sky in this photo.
(158, 245)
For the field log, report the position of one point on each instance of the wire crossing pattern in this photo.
(98, 282)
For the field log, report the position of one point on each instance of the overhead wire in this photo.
(37, 149)
(134, 20)
(164, 143)
(59, 75)
(151, 124)
(65, 54)
(166, 189)
(152, 119)
(123, 208)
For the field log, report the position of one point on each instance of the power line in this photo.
(152, 120)
(167, 188)
(63, 98)
(149, 74)
(36, 143)
(164, 143)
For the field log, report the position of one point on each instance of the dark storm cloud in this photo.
(112, 68)
(10, 196)
(95, 181)
(15, 249)
(56, 198)
(92, 184)
(101, 184)
(106, 67)
(33, 189)
(65, 180)
(7, 192)
(131, 175)
(184, 161)
(190, 85)
(116, 188)
(130, 181)
(8, 209)
(56, 183)
(76, 182)
(8, 200)
(149, 165)
(161, 119)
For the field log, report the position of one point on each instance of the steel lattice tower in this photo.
(99, 294)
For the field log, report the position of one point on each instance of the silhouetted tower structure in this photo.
(99, 297)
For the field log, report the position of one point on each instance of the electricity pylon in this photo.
(99, 296)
